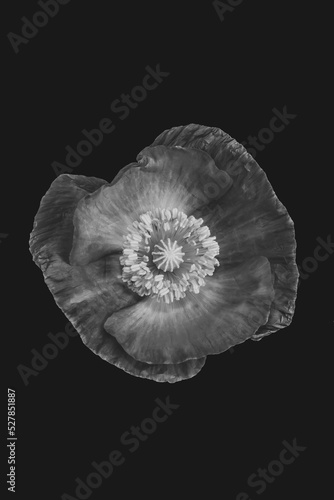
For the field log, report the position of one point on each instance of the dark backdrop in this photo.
(228, 70)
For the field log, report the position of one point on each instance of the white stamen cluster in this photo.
(166, 254)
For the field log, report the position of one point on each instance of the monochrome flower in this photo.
(186, 253)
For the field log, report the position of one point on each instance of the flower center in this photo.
(166, 254)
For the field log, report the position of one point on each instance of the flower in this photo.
(186, 253)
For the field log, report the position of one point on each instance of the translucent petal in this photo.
(232, 305)
(248, 219)
(53, 228)
(88, 295)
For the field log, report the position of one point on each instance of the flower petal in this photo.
(53, 228)
(248, 218)
(269, 232)
(88, 295)
(228, 310)
(165, 178)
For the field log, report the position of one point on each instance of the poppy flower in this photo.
(186, 253)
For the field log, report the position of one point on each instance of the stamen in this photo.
(167, 254)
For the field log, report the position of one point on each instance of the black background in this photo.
(234, 415)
